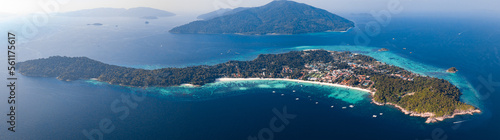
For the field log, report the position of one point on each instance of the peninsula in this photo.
(277, 17)
(417, 95)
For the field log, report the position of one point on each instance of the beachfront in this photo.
(295, 80)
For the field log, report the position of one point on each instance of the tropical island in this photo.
(452, 70)
(417, 95)
(277, 17)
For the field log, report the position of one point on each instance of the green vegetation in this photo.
(393, 84)
(429, 94)
(280, 17)
(265, 65)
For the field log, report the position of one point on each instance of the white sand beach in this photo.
(295, 80)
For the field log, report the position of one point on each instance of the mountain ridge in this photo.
(276, 17)
(220, 12)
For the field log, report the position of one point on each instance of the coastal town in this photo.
(349, 69)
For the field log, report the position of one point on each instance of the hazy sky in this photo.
(203, 6)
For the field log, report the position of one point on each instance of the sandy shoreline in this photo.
(295, 80)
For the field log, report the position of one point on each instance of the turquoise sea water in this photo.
(233, 88)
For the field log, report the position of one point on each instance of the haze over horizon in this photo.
(204, 6)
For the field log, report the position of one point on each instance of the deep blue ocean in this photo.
(51, 109)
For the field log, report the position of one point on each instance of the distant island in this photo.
(138, 12)
(96, 24)
(383, 50)
(277, 17)
(149, 17)
(417, 95)
(452, 70)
